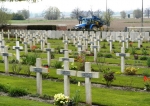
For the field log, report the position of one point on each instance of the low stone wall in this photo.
(24, 27)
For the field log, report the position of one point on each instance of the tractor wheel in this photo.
(94, 28)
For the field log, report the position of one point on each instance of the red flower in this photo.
(145, 78)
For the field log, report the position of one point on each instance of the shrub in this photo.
(143, 58)
(29, 59)
(126, 50)
(108, 55)
(15, 92)
(144, 51)
(130, 70)
(16, 68)
(99, 54)
(4, 88)
(108, 76)
(58, 64)
(133, 50)
(148, 62)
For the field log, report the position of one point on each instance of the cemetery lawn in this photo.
(10, 101)
(104, 96)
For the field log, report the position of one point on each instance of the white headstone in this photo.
(88, 75)
(66, 72)
(5, 54)
(39, 70)
(122, 54)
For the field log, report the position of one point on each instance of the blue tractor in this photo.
(93, 23)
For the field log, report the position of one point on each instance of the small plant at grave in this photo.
(80, 62)
(133, 50)
(58, 49)
(16, 92)
(130, 43)
(143, 58)
(113, 46)
(33, 48)
(108, 55)
(144, 51)
(100, 63)
(146, 83)
(60, 99)
(29, 58)
(27, 70)
(58, 64)
(16, 67)
(99, 54)
(52, 55)
(104, 46)
(127, 50)
(74, 101)
(4, 88)
(148, 62)
(130, 70)
(108, 76)
(73, 66)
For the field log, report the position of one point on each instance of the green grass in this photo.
(105, 96)
(10, 101)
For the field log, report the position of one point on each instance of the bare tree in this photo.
(123, 14)
(147, 12)
(76, 13)
(97, 13)
(108, 17)
(137, 13)
(62, 15)
(4, 16)
(52, 13)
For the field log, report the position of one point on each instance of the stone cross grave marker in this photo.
(139, 41)
(98, 43)
(88, 75)
(8, 33)
(49, 50)
(127, 41)
(5, 54)
(39, 70)
(2, 47)
(95, 50)
(25, 45)
(122, 55)
(66, 72)
(123, 41)
(18, 48)
(110, 43)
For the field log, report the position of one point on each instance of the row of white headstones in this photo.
(66, 72)
(81, 41)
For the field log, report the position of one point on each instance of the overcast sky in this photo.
(69, 5)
